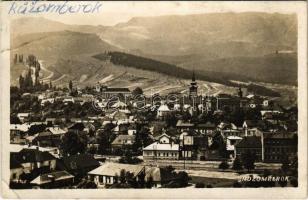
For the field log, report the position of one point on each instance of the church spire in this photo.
(193, 76)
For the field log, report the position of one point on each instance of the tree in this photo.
(237, 184)
(15, 59)
(137, 91)
(142, 138)
(149, 182)
(36, 128)
(237, 164)
(105, 137)
(199, 185)
(70, 85)
(141, 180)
(122, 177)
(50, 84)
(183, 178)
(294, 182)
(285, 164)
(249, 159)
(223, 165)
(14, 119)
(129, 177)
(21, 82)
(72, 143)
(171, 120)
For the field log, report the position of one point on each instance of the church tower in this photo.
(193, 89)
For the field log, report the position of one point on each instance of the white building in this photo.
(108, 173)
(161, 151)
(163, 110)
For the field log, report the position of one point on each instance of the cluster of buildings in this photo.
(37, 158)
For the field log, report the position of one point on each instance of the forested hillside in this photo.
(138, 62)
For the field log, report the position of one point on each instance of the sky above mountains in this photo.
(113, 13)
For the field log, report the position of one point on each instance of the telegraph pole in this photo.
(184, 151)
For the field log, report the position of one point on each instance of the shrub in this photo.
(200, 185)
(223, 165)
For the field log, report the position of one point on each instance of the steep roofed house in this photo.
(17, 133)
(164, 139)
(46, 139)
(108, 173)
(32, 159)
(122, 141)
(163, 111)
(78, 165)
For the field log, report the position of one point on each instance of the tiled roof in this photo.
(158, 146)
(113, 169)
(56, 130)
(33, 155)
(20, 127)
(122, 139)
(50, 177)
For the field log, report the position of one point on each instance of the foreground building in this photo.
(56, 179)
(108, 173)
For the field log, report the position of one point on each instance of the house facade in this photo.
(159, 151)
(276, 146)
(108, 173)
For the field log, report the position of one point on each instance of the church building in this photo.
(193, 89)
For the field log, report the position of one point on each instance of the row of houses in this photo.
(191, 140)
(37, 168)
(268, 145)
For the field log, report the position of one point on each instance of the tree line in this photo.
(138, 62)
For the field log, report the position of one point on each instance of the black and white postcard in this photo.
(170, 99)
